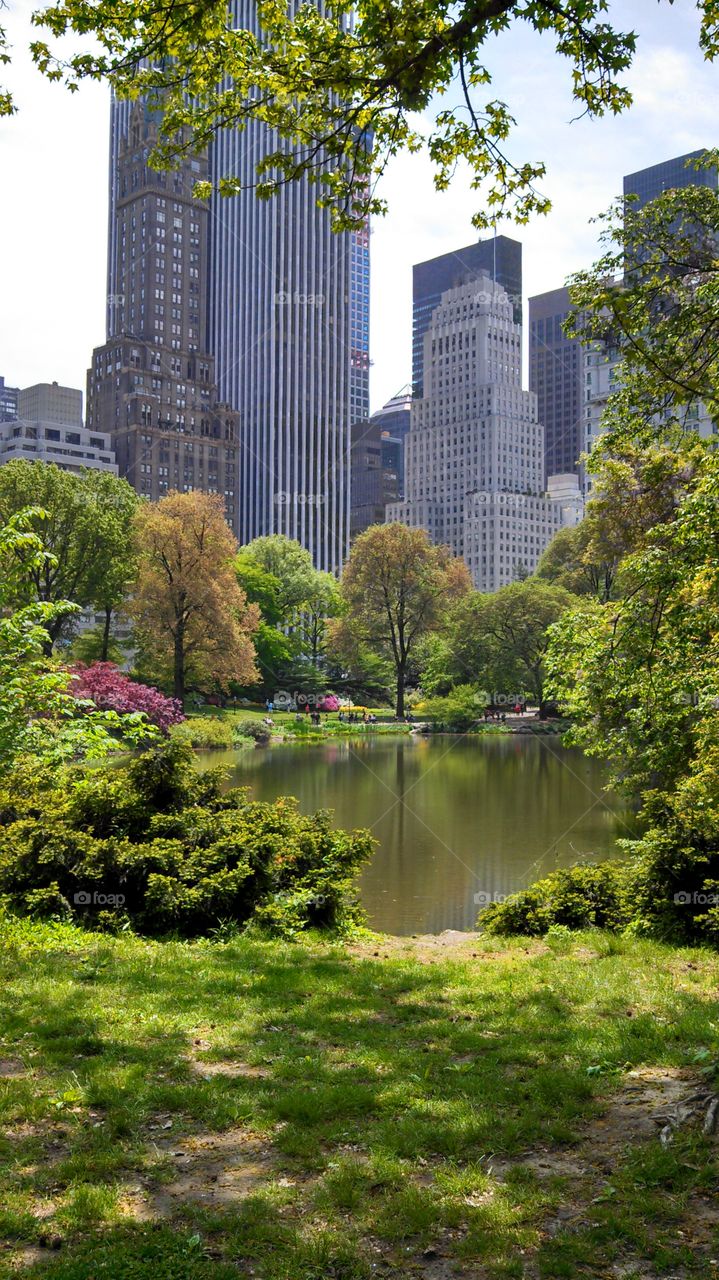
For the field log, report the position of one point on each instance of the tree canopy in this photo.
(193, 620)
(84, 521)
(501, 639)
(345, 84)
(396, 588)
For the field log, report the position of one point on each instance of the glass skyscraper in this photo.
(647, 184)
(287, 321)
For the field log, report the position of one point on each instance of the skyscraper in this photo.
(289, 325)
(152, 384)
(647, 184)
(474, 464)
(556, 376)
(499, 257)
(286, 317)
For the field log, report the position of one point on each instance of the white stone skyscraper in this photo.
(474, 456)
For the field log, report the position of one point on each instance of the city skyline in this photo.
(48, 141)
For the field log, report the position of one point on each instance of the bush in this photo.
(109, 689)
(255, 729)
(461, 710)
(583, 897)
(204, 731)
(164, 846)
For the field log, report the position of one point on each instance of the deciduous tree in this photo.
(84, 521)
(501, 639)
(396, 588)
(193, 619)
(345, 85)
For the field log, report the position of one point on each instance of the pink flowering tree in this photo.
(103, 684)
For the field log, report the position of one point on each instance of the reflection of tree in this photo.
(452, 816)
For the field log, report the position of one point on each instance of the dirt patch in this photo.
(29, 1255)
(212, 1169)
(11, 1067)
(230, 1070)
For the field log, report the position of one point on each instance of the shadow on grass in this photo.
(383, 1062)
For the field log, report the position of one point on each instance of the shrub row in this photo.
(216, 732)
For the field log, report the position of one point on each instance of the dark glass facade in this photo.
(556, 377)
(500, 257)
(647, 184)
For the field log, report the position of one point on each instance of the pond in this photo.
(460, 821)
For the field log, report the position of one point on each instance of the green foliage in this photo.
(38, 713)
(254, 729)
(574, 560)
(84, 522)
(580, 897)
(462, 708)
(396, 589)
(345, 85)
(296, 600)
(204, 731)
(166, 847)
(654, 296)
(501, 639)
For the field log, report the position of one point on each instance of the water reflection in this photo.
(454, 817)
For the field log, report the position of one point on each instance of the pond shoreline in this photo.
(318, 735)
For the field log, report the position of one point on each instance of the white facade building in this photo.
(49, 429)
(474, 459)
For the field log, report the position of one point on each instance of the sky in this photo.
(54, 180)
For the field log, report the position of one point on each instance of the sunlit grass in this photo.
(397, 1099)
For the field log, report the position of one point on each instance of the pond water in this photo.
(460, 821)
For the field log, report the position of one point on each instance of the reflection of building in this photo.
(49, 429)
(152, 384)
(474, 460)
(556, 377)
(500, 258)
(8, 402)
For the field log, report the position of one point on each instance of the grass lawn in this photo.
(310, 1112)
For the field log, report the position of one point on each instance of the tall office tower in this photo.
(647, 184)
(152, 384)
(556, 369)
(289, 325)
(8, 402)
(499, 257)
(474, 465)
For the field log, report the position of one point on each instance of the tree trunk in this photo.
(106, 635)
(400, 694)
(179, 665)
